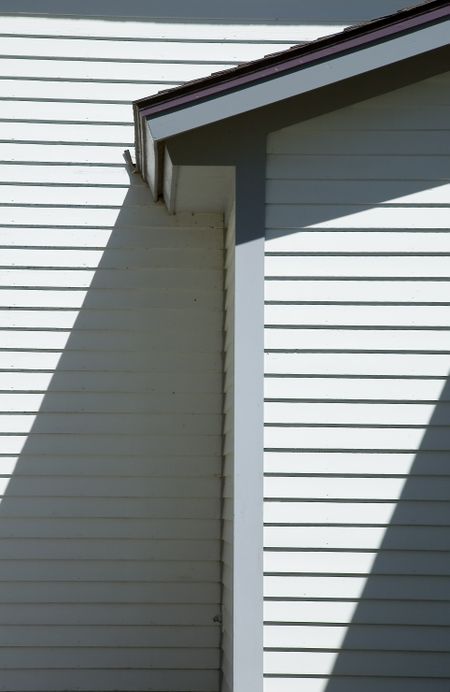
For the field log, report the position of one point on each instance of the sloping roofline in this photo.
(403, 42)
(301, 56)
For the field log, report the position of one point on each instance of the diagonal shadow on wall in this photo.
(399, 632)
(109, 521)
(382, 625)
(199, 10)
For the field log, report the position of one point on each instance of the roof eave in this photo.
(298, 57)
(296, 72)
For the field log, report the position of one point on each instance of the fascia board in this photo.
(300, 82)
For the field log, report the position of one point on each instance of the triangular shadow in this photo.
(110, 518)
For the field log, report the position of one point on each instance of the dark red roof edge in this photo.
(296, 57)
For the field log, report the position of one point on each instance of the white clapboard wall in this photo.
(357, 410)
(111, 339)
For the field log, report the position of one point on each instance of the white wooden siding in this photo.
(111, 319)
(111, 369)
(111, 372)
(110, 428)
(357, 397)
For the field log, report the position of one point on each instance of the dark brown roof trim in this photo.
(271, 66)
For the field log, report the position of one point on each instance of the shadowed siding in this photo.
(111, 394)
(322, 12)
(357, 360)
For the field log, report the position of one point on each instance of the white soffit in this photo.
(197, 188)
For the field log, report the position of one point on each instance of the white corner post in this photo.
(248, 423)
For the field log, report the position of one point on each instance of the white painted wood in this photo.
(105, 444)
(361, 291)
(138, 278)
(359, 167)
(52, 680)
(312, 637)
(38, 174)
(309, 338)
(64, 659)
(72, 196)
(362, 142)
(228, 575)
(66, 132)
(200, 188)
(123, 508)
(138, 636)
(367, 315)
(366, 488)
(349, 562)
(114, 550)
(355, 241)
(134, 423)
(37, 153)
(129, 237)
(406, 266)
(356, 411)
(344, 192)
(359, 438)
(313, 663)
(110, 475)
(109, 519)
(110, 319)
(408, 115)
(356, 463)
(51, 258)
(356, 538)
(60, 111)
(355, 388)
(131, 529)
(355, 216)
(353, 512)
(225, 31)
(72, 465)
(348, 413)
(98, 92)
(400, 365)
(100, 71)
(154, 50)
(75, 299)
(436, 588)
(352, 684)
(159, 382)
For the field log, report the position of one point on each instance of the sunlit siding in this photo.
(357, 404)
(111, 394)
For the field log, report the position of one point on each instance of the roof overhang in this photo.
(293, 76)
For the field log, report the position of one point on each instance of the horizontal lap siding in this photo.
(110, 418)
(356, 412)
(111, 370)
